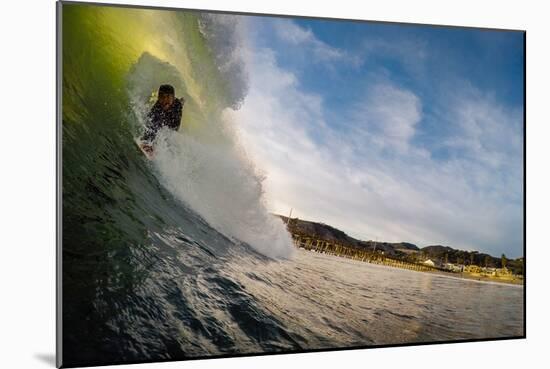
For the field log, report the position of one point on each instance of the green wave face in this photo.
(114, 59)
(103, 45)
(136, 233)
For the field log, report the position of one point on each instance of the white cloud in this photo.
(387, 116)
(410, 52)
(485, 131)
(294, 35)
(370, 180)
(291, 32)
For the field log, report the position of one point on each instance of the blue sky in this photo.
(389, 132)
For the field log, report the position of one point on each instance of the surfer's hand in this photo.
(182, 100)
(147, 148)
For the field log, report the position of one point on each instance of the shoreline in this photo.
(323, 238)
(483, 278)
(344, 253)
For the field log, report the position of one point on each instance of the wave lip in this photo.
(222, 187)
(204, 165)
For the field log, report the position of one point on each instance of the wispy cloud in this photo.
(412, 53)
(319, 51)
(485, 131)
(369, 177)
(387, 116)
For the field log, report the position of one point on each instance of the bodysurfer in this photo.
(166, 112)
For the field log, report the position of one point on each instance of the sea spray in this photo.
(221, 185)
(205, 167)
(225, 34)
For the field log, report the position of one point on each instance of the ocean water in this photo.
(338, 302)
(179, 257)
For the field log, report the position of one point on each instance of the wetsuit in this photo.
(158, 118)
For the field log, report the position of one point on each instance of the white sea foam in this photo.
(208, 169)
(221, 185)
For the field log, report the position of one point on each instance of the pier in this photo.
(368, 256)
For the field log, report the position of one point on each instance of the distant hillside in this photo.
(320, 231)
(446, 253)
(399, 250)
(437, 249)
(325, 232)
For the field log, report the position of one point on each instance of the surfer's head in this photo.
(166, 96)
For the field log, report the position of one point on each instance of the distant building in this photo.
(472, 269)
(455, 268)
(429, 262)
(489, 271)
(504, 272)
